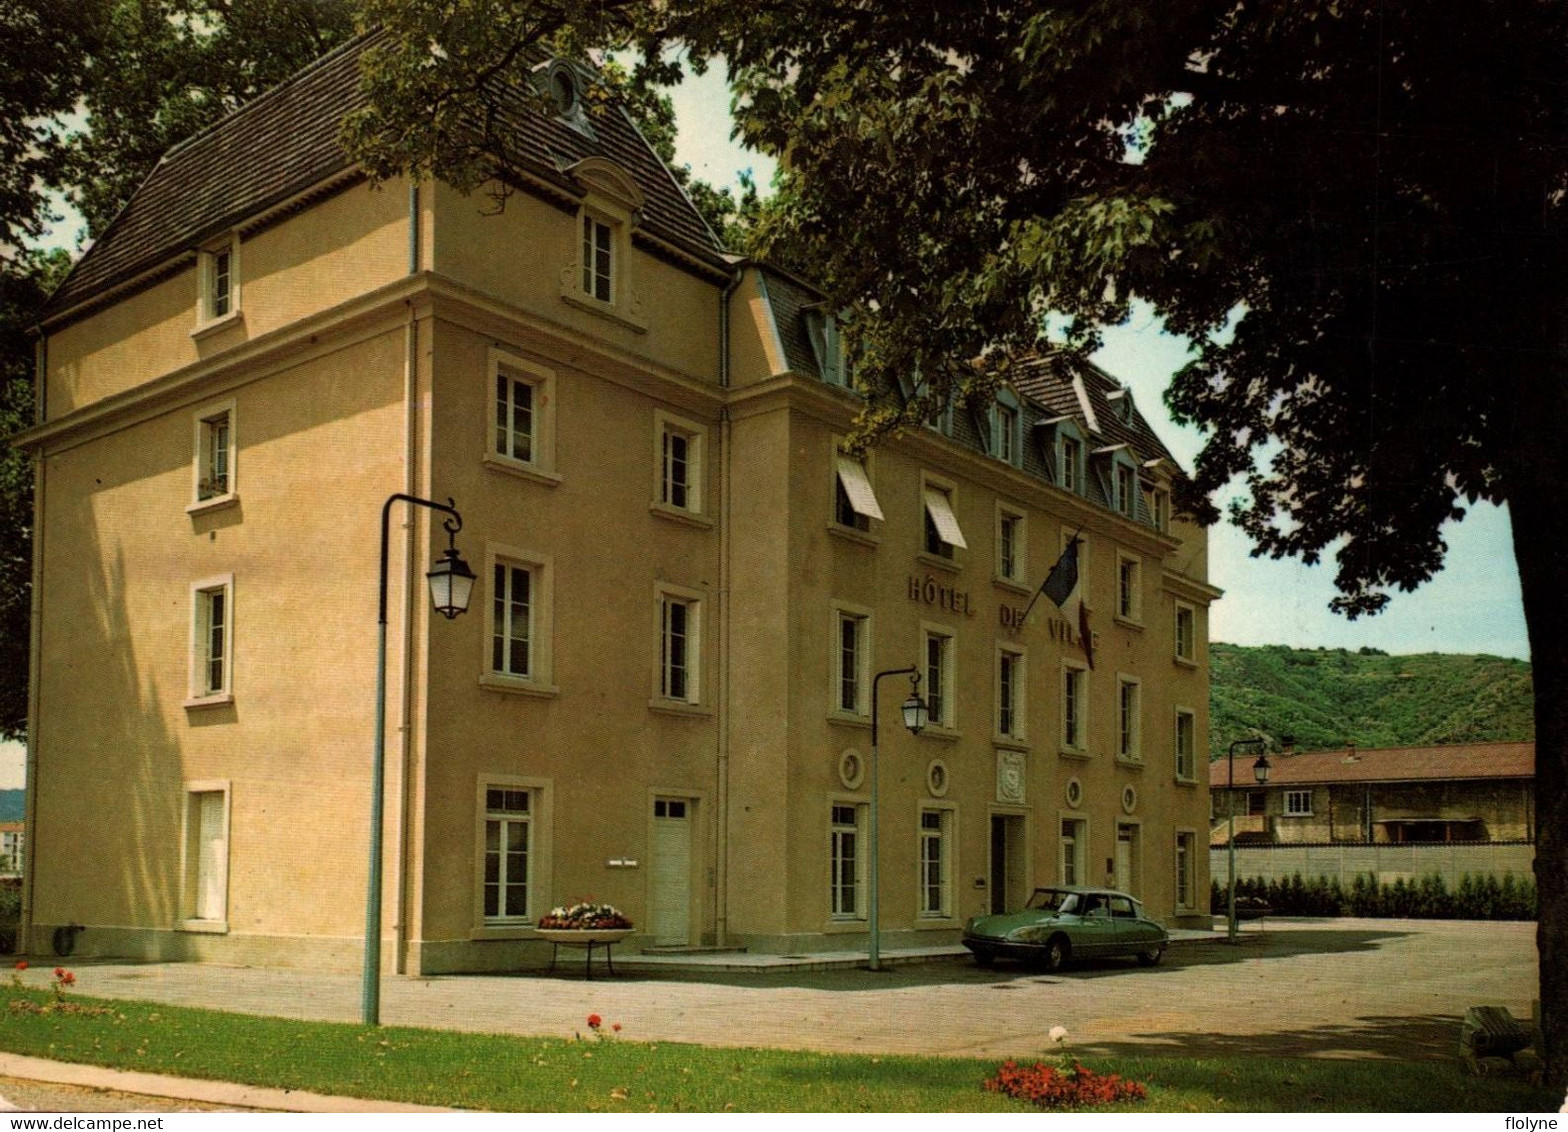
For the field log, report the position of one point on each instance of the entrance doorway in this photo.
(671, 920)
(1009, 862)
(1126, 877)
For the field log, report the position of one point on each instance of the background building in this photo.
(661, 697)
(1396, 812)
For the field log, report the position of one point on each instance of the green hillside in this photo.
(1324, 697)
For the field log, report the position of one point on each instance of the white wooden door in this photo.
(212, 853)
(672, 871)
(1125, 880)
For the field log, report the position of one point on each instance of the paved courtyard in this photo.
(1318, 988)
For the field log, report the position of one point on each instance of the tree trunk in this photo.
(1540, 523)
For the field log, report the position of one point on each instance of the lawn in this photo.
(581, 1074)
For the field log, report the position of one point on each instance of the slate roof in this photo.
(1387, 764)
(1047, 378)
(1044, 381)
(284, 142)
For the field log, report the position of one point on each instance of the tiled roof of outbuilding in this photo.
(1388, 764)
(284, 142)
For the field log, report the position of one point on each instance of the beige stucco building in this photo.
(661, 695)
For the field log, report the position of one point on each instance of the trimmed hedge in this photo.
(1476, 898)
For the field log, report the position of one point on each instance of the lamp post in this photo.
(451, 586)
(915, 715)
(1260, 771)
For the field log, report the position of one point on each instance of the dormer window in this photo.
(826, 347)
(598, 259)
(1121, 404)
(1006, 440)
(1069, 465)
(599, 278)
(1126, 489)
(563, 90)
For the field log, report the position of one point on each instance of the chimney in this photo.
(1350, 751)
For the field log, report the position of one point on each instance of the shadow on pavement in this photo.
(1004, 976)
(1415, 1037)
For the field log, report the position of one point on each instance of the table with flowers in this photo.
(588, 926)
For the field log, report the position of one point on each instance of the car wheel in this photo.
(1151, 958)
(985, 959)
(1056, 952)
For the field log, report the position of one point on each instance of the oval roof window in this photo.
(563, 89)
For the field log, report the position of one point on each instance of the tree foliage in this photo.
(1326, 698)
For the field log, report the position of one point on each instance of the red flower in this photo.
(594, 1021)
(58, 971)
(616, 1027)
(21, 964)
(67, 979)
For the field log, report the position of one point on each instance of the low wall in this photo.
(1386, 862)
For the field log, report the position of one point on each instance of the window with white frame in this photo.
(1186, 851)
(1160, 509)
(852, 666)
(206, 880)
(1129, 588)
(936, 881)
(680, 627)
(215, 454)
(943, 537)
(1010, 686)
(212, 638)
(1075, 707)
(1126, 489)
(1011, 544)
(522, 416)
(1073, 851)
(845, 862)
(1298, 803)
(679, 460)
(598, 258)
(512, 620)
(515, 425)
(1005, 441)
(1129, 718)
(1186, 632)
(939, 683)
(1069, 464)
(1186, 745)
(220, 280)
(854, 500)
(508, 853)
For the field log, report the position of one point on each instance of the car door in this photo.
(1096, 934)
(1130, 931)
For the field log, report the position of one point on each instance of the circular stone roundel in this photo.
(1074, 793)
(936, 778)
(851, 769)
(1129, 799)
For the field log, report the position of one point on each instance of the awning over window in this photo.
(941, 512)
(852, 474)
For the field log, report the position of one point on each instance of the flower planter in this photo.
(582, 937)
(588, 938)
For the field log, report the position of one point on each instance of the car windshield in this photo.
(1054, 900)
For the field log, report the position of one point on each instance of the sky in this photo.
(1472, 606)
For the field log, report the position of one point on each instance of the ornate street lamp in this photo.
(1260, 772)
(916, 714)
(451, 587)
